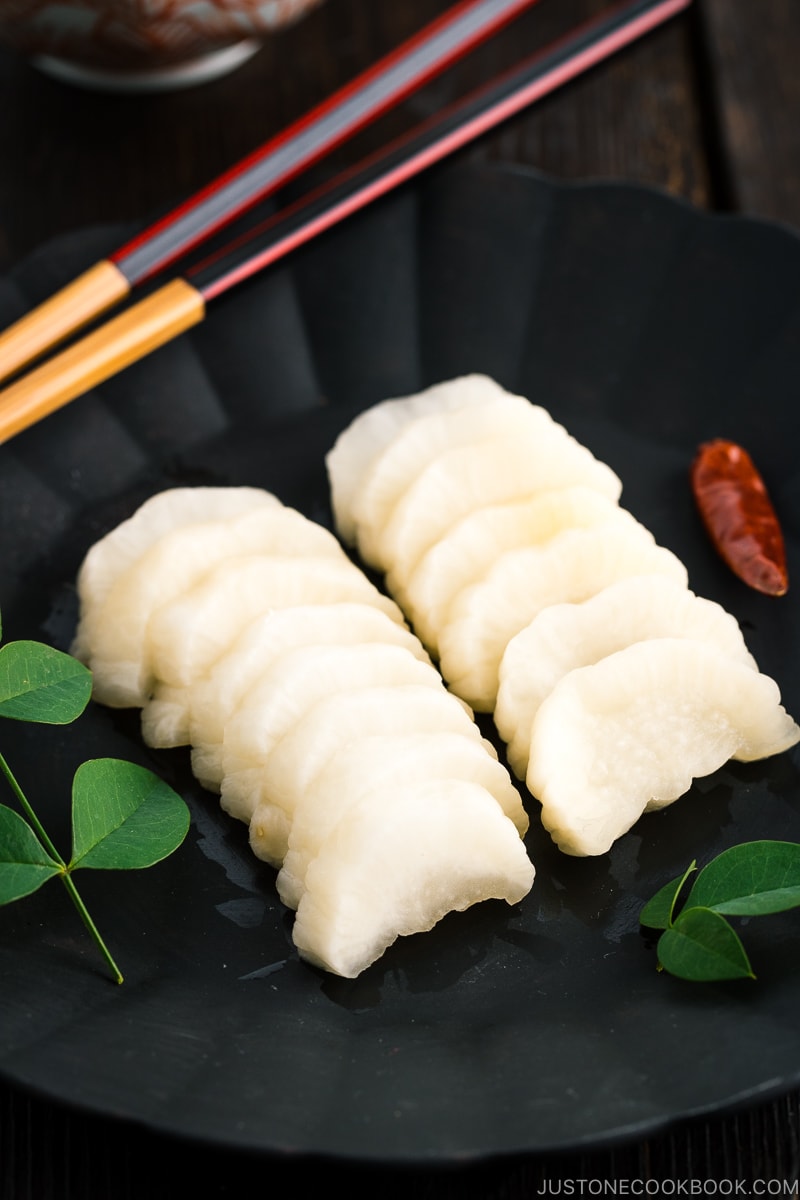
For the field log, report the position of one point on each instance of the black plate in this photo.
(645, 327)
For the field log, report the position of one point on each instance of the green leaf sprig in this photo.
(123, 816)
(749, 880)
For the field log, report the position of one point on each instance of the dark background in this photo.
(706, 108)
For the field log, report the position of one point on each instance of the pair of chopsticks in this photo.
(182, 302)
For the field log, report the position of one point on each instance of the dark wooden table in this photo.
(707, 108)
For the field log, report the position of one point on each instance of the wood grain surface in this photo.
(637, 117)
(707, 108)
(753, 89)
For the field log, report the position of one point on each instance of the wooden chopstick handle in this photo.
(92, 293)
(153, 321)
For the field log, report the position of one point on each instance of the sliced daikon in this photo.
(398, 862)
(329, 725)
(372, 430)
(495, 471)
(631, 732)
(572, 566)
(373, 765)
(165, 716)
(467, 551)
(565, 636)
(392, 472)
(119, 549)
(192, 633)
(115, 631)
(295, 681)
(213, 699)
(189, 634)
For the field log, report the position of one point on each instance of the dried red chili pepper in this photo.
(738, 515)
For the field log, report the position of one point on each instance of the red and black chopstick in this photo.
(182, 302)
(447, 132)
(280, 159)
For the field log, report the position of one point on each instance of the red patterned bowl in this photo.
(142, 44)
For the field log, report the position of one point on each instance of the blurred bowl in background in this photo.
(137, 45)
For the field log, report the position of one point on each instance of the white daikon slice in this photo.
(495, 471)
(286, 690)
(165, 716)
(190, 633)
(373, 765)
(467, 551)
(116, 630)
(115, 553)
(572, 566)
(631, 732)
(212, 700)
(396, 867)
(565, 636)
(372, 430)
(393, 471)
(329, 725)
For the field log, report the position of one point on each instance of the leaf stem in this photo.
(692, 867)
(65, 875)
(29, 813)
(74, 895)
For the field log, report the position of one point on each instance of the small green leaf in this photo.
(750, 880)
(38, 683)
(701, 945)
(657, 913)
(24, 863)
(123, 816)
